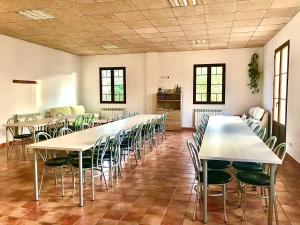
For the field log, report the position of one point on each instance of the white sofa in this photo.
(70, 110)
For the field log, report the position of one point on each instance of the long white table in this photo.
(229, 138)
(83, 140)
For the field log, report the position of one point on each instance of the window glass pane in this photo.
(213, 97)
(213, 70)
(121, 73)
(204, 97)
(204, 70)
(201, 89)
(106, 90)
(106, 81)
(201, 79)
(277, 63)
(118, 80)
(275, 110)
(219, 98)
(284, 60)
(106, 97)
(216, 79)
(198, 97)
(119, 90)
(283, 86)
(198, 71)
(219, 70)
(282, 111)
(116, 73)
(276, 86)
(216, 89)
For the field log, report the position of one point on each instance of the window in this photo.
(112, 85)
(209, 84)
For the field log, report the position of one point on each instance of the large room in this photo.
(149, 112)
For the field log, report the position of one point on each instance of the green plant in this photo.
(254, 74)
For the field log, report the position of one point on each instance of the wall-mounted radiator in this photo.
(198, 113)
(111, 113)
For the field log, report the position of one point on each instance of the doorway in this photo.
(280, 90)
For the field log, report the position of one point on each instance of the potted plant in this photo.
(254, 74)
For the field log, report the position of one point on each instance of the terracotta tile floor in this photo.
(157, 191)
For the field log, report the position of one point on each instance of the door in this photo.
(280, 90)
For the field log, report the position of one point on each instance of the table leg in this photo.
(80, 180)
(205, 191)
(271, 194)
(36, 181)
(33, 134)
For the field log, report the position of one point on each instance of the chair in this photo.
(53, 127)
(51, 161)
(257, 129)
(95, 163)
(262, 133)
(19, 137)
(260, 179)
(113, 155)
(215, 177)
(77, 125)
(147, 134)
(129, 143)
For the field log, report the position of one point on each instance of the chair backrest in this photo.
(115, 144)
(99, 150)
(64, 131)
(79, 121)
(44, 154)
(196, 161)
(30, 118)
(280, 151)
(131, 135)
(257, 129)
(13, 130)
(59, 114)
(53, 127)
(262, 133)
(198, 141)
(200, 130)
(271, 142)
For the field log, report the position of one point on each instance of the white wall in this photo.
(135, 81)
(290, 32)
(23, 60)
(144, 73)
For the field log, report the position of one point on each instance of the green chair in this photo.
(77, 125)
(260, 179)
(215, 177)
(50, 161)
(95, 163)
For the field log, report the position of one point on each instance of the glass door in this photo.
(280, 87)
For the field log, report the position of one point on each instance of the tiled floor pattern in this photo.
(157, 191)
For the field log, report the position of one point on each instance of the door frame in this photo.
(287, 43)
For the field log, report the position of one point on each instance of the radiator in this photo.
(111, 113)
(198, 113)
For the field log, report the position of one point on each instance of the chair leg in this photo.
(195, 206)
(275, 210)
(224, 202)
(102, 171)
(244, 191)
(73, 179)
(62, 181)
(93, 183)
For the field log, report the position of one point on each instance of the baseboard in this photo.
(2, 145)
(188, 128)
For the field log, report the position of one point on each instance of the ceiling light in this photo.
(36, 14)
(108, 45)
(183, 3)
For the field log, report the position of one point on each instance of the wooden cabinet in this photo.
(171, 103)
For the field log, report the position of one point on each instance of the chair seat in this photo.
(22, 136)
(216, 177)
(85, 154)
(58, 161)
(218, 164)
(86, 163)
(253, 178)
(247, 166)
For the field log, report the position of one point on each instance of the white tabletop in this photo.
(229, 138)
(85, 139)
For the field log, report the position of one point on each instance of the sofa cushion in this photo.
(64, 110)
(77, 110)
(258, 113)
